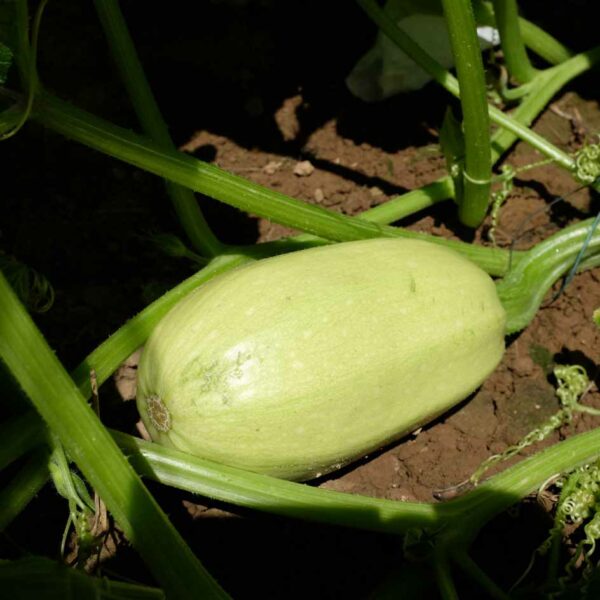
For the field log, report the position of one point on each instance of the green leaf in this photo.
(452, 141)
(385, 70)
(6, 57)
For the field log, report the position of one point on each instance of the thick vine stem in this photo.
(456, 521)
(476, 124)
(523, 289)
(449, 82)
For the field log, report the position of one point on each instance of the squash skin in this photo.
(296, 365)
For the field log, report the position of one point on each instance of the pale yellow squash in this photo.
(296, 365)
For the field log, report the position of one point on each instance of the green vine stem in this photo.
(393, 210)
(120, 143)
(23, 56)
(477, 172)
(501, 140)
(535, 38)
(28, 481)
(443, 576)
(231, 189)
(9, 118)
(448, 82)
(515, 55)
(144, 103)
(276, 496)
(542, 89)
(516, 482)
(543, 44)
(456, 521)
(523, 289)
(263, 493)
(409, 203)
(545, 86)
(52, 391)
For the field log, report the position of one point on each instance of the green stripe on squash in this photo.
(296, 365)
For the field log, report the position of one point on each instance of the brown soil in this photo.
(82, 219)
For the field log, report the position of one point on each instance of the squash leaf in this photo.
(385, 70)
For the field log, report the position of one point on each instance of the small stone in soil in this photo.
(271, 167)
(303, 169)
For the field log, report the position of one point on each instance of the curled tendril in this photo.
(579, 505)
(587, 164)
(592, 533)
(572, 384)
(499, 196)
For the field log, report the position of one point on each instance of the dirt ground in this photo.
(281, 116)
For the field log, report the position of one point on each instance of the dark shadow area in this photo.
(560, 210)
(355, 176)
(576, 357)
(505, 559)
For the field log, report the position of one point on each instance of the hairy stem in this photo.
(476, 124)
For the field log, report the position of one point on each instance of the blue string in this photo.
(588, 238)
